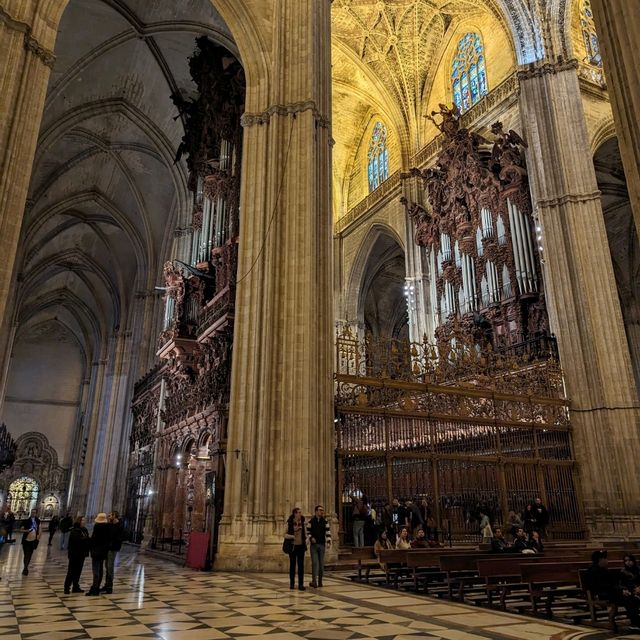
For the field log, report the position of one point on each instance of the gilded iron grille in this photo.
(461, 427)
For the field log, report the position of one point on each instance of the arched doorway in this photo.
(23, 496)
(383, 297)
(623, 241)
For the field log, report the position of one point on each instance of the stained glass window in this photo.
(468, 72)
(589, 35)
(378, 157)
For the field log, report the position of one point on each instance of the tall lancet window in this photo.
(589, 35)
(378, 157)
(468, 72)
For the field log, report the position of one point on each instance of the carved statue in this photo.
(450, 119)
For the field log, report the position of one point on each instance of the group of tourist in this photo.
(394, 516)
(102, 545)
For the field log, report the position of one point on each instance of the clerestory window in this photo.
(468, 72)
(378, 157)
(589, 35)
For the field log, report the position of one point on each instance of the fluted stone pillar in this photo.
(618, 24)
(280, 451)
(25, 63)
(582, 296)
(417, 266)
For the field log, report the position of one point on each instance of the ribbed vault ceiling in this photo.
(385, 56)
(106, 194)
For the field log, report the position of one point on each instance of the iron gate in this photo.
(464, 428)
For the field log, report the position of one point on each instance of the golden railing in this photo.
(460, 436)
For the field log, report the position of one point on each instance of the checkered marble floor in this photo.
(155, 599)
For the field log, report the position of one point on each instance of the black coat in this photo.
(79, 543)
(117, 536)
(602, 583)
(100, 540)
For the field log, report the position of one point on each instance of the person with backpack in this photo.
(361, 512)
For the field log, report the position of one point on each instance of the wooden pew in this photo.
(366, 558)
(424, 565)
(551, 580)
(395, 565)
(504, 571)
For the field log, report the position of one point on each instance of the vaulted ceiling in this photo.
(106, 193)
(385, 56)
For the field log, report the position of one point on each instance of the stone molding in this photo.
(31, 44)
(538, 70)
(574, 198)
(293, 108)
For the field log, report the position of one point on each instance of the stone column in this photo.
(618, 24)
(25, 63)
(417, 266)
(581, 291)
(280, 446)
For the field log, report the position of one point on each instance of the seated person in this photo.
(499, 543)
(630, 575)
(521, 543)
(606, 585)
(381, 543)
(535, 542)
(420, 541)
(403, 539)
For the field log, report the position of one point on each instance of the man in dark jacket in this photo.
(521, 542)
(117, 535)
(542, 516)
(65, 527)
(53, 527)
(100, 544)
(499, 543)
(30, 530)
(79, 543)
(605, 585)
(319, 533)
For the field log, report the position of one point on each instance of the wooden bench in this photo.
(425, 567)
(503, 571)
(366, 559)
(395, 565)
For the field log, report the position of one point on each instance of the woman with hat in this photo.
(100, 543)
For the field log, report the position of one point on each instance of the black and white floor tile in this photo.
(156, 599)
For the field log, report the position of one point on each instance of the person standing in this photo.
(360, 514)
(30, 530)
(542, 516)
(100, 543)
(65, 527)
(10, 523)
(53, 527)
(79, 543)
(319, 533)
(296, 532)
(115, 546)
